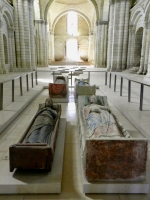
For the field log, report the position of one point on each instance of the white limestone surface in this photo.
(22, 181)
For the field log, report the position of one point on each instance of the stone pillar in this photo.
(51, 47)
(10, 49)
(130, 58)
(129, 46)
(17, 40)
(38, 42)
(2, 54)
(110, 35)
(126, 33)
(121, 34)
(141, 69)
(21, 31)
(115, 36)
(13, 50)
(90, 52)
(101, 52)
(147, 49)
(27, 35)
(45, 44)
(96, 52)
(32, 35)
(148, 53)
(41, 43)
(98, 45)
(103, 43)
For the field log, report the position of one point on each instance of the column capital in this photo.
(103, 22)
(41, 21)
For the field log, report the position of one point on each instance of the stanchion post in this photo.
(121, 85)
(141, 97)
(115, 83)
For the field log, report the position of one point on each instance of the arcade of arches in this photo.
(110, 34)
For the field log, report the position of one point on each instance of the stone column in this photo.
(37, 41)
(98, 45)
(121, 35)
(110, 35)
(105, 44)
(17, 40)
(41, 43)
(96, 52)
(147, 49)
(115, 36)
(45, 42)
(148, 53)
(129, 46)
(132, 48)
(27, 35)
(21, 31)
(10, 49)
(2, 57)
(51, 47)
(126, 33)
(90, 52)
(32, 35)
(102, 36)
(13, 49)
(141, 69)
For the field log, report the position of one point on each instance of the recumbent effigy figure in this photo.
(100, 120)
(44, 123)
(36, 148)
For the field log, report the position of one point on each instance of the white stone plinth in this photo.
(22, 181)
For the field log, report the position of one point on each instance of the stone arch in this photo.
(7, 16)
(65, 12)
(136, 15)
(147, 11)
(51, 1)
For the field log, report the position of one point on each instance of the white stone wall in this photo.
(7, 58)
(61, 36)
(139, 47)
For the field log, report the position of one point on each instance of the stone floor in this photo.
(135, 121)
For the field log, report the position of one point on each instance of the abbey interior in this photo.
(107, 41)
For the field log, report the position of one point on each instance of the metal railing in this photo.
(20, 86)
(129, 86)
(88, 71)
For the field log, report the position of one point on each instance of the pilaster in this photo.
(2, 56)
(110, 35)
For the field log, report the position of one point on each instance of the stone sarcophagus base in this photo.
(115, 160)
(59, 88)
(34, 156)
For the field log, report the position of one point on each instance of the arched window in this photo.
(72, 23)
(72, 49)
(5, 49)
